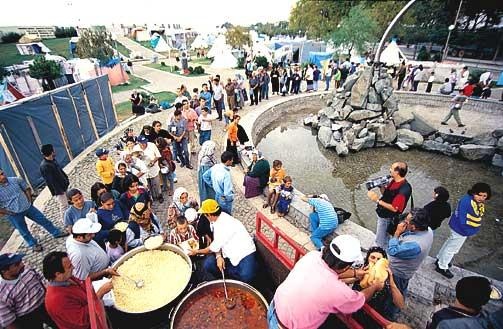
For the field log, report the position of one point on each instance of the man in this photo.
(151, 155)
(323, 219)
(54, 176)
(232, 250)
(16, 204)
(392, 203)
(178, 131)
(465, 222)
(314, 288)
(218, 97)
(254, 89)
(472, 292)
(22, 292)
(409, 247)
(296, 80)
(206, 95)
(66, 297)
(230, 89)
(191, 117)
(456, 104)
(218, 177)
(88, 258)
(327, 73)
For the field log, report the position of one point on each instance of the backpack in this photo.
(342, 215)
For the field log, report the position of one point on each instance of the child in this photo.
(285, 192)
(430, 82)
(204, 124)
(166, 164)
(105, 168)
(114, 245)
(275, 178)
(183, 231)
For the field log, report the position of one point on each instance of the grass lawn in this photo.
(123, 109)
(200, 61)
(123, 50)
(9, 54)
(170, 69)
(134, 83)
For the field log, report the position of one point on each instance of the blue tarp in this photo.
(316, 57)
(26, 125)
(500, 80)
(154, 41)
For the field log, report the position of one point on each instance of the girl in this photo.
(115, 245)
(439, 209)
(134, 193)
(120, 175)
(166, 164)
(232, 140)
(285, 192)
(276, 176)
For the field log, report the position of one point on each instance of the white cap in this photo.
(191, 215)
(349, 247)
(85, 225)
(324, 197)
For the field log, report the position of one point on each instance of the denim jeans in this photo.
(204, 135)
(382, 236)
(19, 223)
(272, 319)
(317, 233)
(402, 284)
(315, 85)
(182, 151)
(226, 205)
(450, 247)
(327, 82)
(168, 177)
(244, 271)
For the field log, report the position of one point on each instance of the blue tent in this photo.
(316, 57)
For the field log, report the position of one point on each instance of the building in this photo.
(43, 32)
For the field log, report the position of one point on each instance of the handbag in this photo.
(342, 215)
(395, 220)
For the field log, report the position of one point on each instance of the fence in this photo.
(71, 118)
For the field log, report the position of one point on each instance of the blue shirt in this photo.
(177, 128)
(403, 249)
(219, 178)
(467, 218)
(12, 196)
(207, 97)
(73, 214)
(326, 213)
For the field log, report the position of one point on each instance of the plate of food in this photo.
(121, 226)
(153, 242)
(190, 244)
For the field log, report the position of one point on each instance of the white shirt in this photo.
(218, 92)
(232, 238)
(86, 258)
(149, 154)
(205, 122)
(431, 78)
(180, 99)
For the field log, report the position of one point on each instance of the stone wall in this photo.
(427, 289)
(489, 106)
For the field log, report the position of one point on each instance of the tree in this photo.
(95, 44)
(11, 37)
(356, 30)
(237, 37)
(46, 70)
(65, 32)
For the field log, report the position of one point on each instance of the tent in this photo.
(317, 57)
(217, 47)
(199, 42)
(32, 48)
(260, 49)
(29, 38)
(162, 45)
(392, 55)
(224, 60)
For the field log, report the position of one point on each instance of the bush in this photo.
(261, 61)
(11, 37)
(176, 68)
(191, 69)
(163, 64)
(423, 54)
(241, 62)
(198, 70)
(65, 32)
(475, 75)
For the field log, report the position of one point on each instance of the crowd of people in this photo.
(142, 169)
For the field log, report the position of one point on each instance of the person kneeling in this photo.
(323, 219)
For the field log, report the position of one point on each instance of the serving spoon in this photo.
(229, 302)
(138, 283)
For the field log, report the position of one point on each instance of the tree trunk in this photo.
(50, 84)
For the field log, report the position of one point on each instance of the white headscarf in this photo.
(206, 155)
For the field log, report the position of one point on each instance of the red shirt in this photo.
(67, 305)
(399, 201)
(468, 90)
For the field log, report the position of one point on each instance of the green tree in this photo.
(46, 70)
(95, 44)
(237, 37)
(261, 61)
(11, 37)
(356, 30)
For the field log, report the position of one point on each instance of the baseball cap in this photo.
(191, 215)
(100, 152)
(209, 206)
(142, 140)
(349, 247)
(8, 259)
(85, 226)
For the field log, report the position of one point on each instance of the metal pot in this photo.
(138, 250)
(202, 288)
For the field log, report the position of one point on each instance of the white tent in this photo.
(392, 55)
(260, 49)
(162, 45)
(217, 47)
(199, 42)
(224, 60)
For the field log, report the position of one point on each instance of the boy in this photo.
(183, 231)
(105, 168)
(204, 123)
(115, 245)
(285, 192)
(206, 94)
(430, 82)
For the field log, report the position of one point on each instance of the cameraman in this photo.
(392, 203)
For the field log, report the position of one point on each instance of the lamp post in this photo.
(451, 28)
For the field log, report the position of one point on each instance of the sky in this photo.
(198, 14)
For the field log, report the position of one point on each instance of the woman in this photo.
(109, 213)
(120, 175)
(136, 166)
(232, 140)
(181, 202)
(97, 189)
(257, 175)
(402, 71)
(135, 193)
(136, 100)
(142, 224)
(309, 77)
(439, 209)
(206, 160)
(275, 80)
(383, 300)
(148, 132)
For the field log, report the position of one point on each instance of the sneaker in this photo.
(447, 273)
(189, 167)
(436, 263)
(461, 125)
(175, 180)
(443, 123)
(61, 234)
(37, 248)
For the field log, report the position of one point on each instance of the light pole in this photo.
(451, 27)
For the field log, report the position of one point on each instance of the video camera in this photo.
(377, 182)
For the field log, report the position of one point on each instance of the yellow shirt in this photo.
(278, 175)
(106, 171)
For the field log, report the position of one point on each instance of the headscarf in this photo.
(136, 214)
(206, 155)
(176, 198)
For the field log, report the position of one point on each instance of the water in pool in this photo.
(317, 170)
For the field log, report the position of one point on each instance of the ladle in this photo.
(138, 283)
(229, 302)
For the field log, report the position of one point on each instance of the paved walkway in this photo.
(138, 49)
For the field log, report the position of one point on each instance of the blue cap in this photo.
(8, 259)
(100, 152)
(142, 140)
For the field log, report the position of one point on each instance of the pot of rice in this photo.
(165, 272)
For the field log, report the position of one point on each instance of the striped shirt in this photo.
(12, 195)
(326, 213)
(20, 297)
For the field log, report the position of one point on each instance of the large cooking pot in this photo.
(166, 246)
(204, 307)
